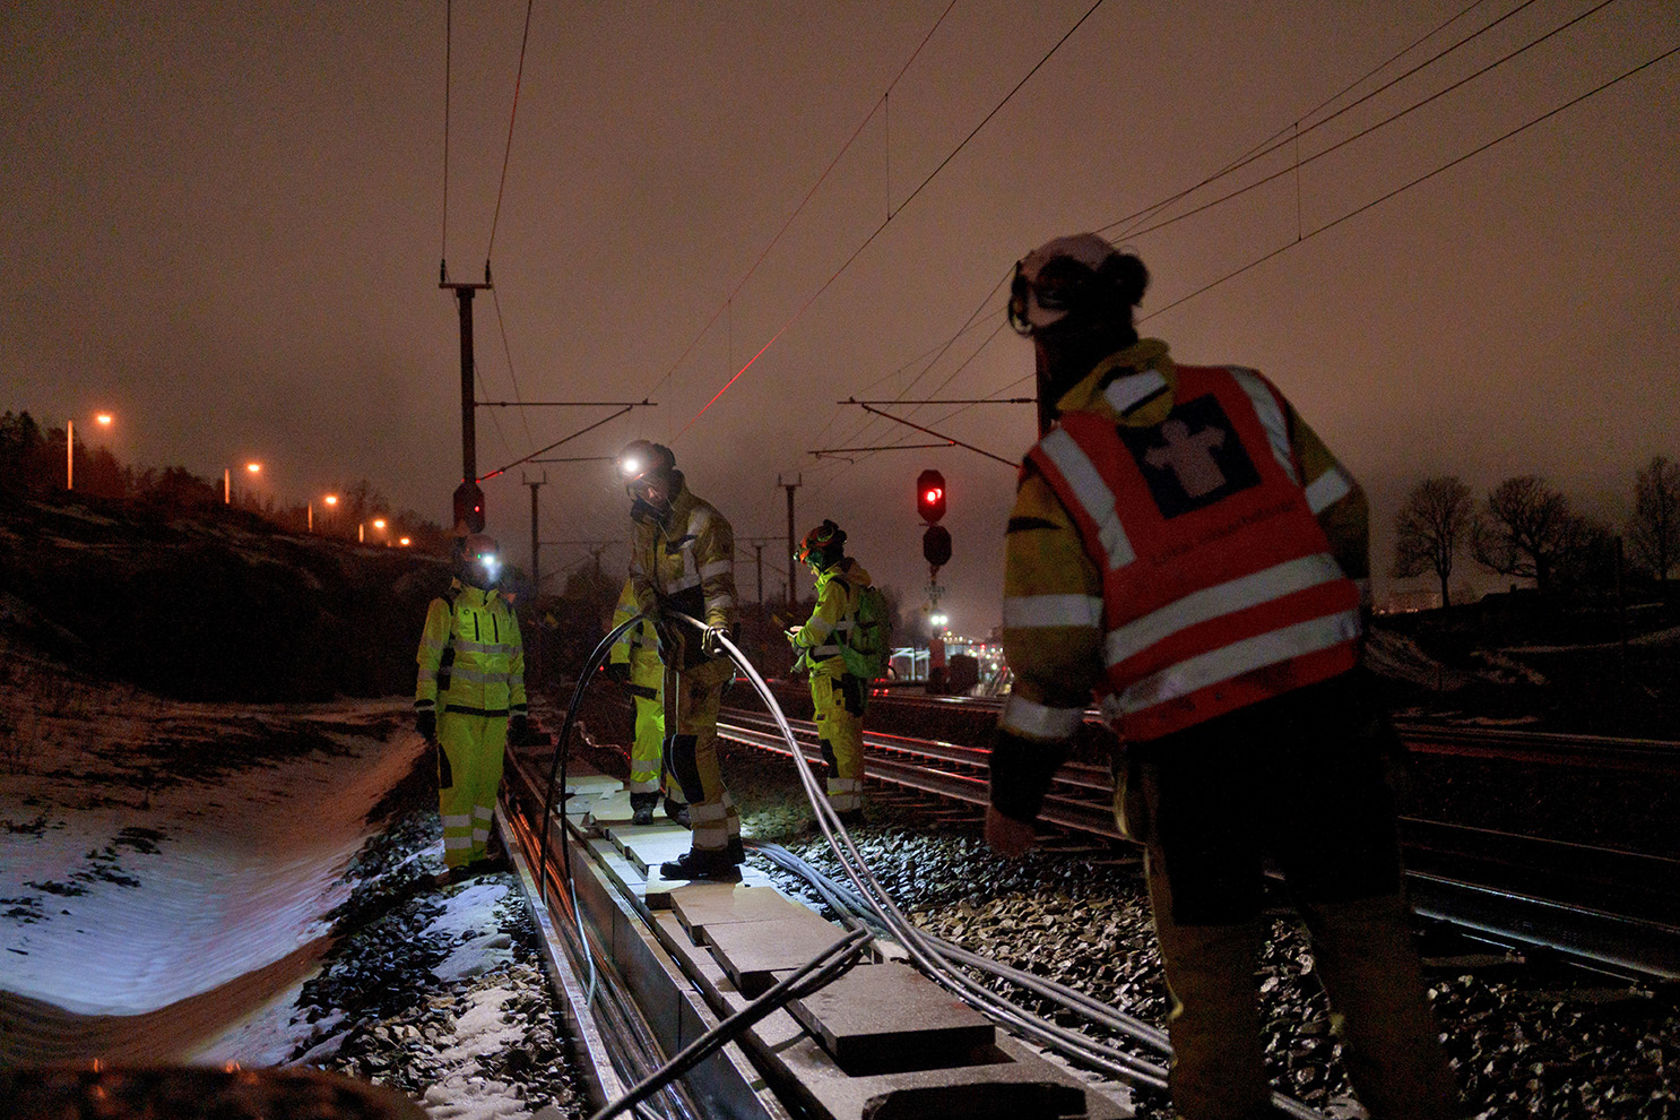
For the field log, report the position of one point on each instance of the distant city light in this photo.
(254, 467)
(331, 499)
(403, 541)
(103, 419)
(379, 523)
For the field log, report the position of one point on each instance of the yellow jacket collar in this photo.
(1146, 360)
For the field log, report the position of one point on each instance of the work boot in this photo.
(736, 853)
(677, 811)
(695, 864)
(641, 807)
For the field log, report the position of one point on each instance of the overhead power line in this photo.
(821, 179)
(870, 239)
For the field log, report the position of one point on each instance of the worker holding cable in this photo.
(682, 561)
(825, 645)
(634, 662)
(1183, 546)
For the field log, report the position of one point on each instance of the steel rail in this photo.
(1600, 752)
(1629, 927)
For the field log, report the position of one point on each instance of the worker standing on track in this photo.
(837, 696)
(634, 662)
(1183, 544)
(682, 559)
(469, 690)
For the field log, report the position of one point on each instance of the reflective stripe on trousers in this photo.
(472, 747)
(692, 699)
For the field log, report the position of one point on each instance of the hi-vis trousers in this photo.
(648, 773)
(838, 700)
(469, 771)
(692, 699)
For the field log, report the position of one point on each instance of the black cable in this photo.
(561, 754)
(810, 977)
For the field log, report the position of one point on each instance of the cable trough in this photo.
(771, 1010)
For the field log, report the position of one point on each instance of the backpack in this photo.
(868, 648)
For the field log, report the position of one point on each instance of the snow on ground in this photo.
(169, 875)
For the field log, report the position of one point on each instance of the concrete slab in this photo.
(753, 952)
(611, 808)
(628, 837)
(890, 1018)
(649, 846)
(1012, 1084)
(700, 905)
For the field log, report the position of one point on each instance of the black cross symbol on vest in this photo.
(1190, 457)
(1193, 458)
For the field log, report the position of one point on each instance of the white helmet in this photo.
(1080, 273)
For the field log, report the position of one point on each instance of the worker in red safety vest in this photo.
(469, 690)
(682, 560)
(1184, 547)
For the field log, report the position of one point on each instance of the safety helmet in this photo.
(822, 545)
(641, 458)
(1081, 276)
(478, 560)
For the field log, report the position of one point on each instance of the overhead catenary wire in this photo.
(870, 239)
(1303, 236)
(1260, 150)
(877, 105)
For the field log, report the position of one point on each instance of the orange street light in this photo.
(403, 541)
(103, 419)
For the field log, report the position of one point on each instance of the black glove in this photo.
(519, 728)
(619, 671)
(425, 722)
(710, 643)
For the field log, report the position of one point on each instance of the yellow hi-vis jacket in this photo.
(637, 642)
(1066, 628)
(471, 657)
(684, 561)
(839, 587)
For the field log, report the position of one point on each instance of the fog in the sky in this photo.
(225, 223)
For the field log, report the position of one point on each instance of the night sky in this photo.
(224, 223)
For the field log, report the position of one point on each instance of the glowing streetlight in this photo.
(104, 420)
(403, 541)
(252, 468)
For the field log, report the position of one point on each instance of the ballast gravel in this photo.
(1527, 1038)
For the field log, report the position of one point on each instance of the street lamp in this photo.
(103, 419)
(252, 468)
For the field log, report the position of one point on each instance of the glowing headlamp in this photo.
(630, 467)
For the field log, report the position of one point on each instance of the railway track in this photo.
(1605, 907)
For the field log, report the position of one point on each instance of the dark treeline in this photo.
(33, 462)
(1526, 529)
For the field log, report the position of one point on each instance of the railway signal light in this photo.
(469, 507)
(936, 546)
(930, 496)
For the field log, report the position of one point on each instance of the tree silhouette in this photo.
(1429, 529)
(1526, 529)
(1654, 528)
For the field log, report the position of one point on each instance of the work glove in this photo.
(425, 722)
(711, 640)
(619, 671)
(519, 729)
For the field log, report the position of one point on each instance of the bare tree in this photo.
(1429, 529)
(1525, 529)
(1654, 528)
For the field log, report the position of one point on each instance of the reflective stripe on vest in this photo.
(1219, 587)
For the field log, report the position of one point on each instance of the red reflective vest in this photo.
(1219, 586)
